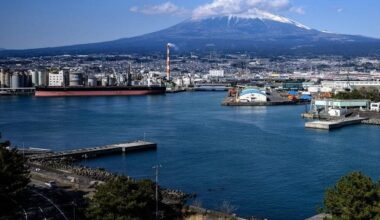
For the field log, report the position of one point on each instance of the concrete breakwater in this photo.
(86, 178)
(372, 121)
(329, 125)
(68, 167)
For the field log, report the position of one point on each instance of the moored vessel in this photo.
(51, 91)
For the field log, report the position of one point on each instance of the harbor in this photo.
(183, 125)
(253, 96)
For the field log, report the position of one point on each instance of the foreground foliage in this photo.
(362, 93)
(121, 198)
(354, 196)
(14, 176)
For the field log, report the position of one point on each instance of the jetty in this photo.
(329, 125)
(97, 151)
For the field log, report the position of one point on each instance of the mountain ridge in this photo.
(261, 34)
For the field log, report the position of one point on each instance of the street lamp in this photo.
(157, 167)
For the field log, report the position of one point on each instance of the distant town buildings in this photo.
(316, 74)
(216, 73)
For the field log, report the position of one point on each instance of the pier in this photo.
(329, 125)
(97, 151)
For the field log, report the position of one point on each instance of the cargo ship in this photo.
(52, 91)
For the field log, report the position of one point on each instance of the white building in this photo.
(252, 95)
(336, 103)
(337, 112)
(56, 79)
(216, 73)
(375, 106)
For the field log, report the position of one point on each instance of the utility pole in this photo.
(157, 167)
(74, 206)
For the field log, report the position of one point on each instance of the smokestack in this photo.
(168, 61)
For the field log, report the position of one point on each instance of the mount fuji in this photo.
(256, 32)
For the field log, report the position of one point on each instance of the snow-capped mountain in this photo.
(256, 31)
(256, 14)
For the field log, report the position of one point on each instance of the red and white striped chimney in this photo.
(168, 61)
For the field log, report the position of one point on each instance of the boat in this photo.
(52, 91)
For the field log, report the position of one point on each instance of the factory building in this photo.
(349, 103)
(293, 85)
(252, 95)
(336, 85)
(56, 79)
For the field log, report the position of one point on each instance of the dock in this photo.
(97, 151)
(329, 125)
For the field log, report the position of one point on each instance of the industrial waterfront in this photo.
(261, 159)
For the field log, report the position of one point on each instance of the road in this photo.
(42, 202)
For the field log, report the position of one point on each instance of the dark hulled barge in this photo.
(50, 91)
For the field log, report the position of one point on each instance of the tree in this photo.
(14, 176)
(121, 198)
(354, 196)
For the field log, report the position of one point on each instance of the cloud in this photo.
(225, 7)
(298, 10)
(164, 8)
(339, 10)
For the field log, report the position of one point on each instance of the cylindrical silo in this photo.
(111, 81)
(15, 81)
(7, 78)
(42, 81)
(105, 81)
(92, 81)
(2, 78)
(76, 79)
(22, 80)
(34, 75)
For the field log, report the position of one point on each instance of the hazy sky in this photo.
(46, 23)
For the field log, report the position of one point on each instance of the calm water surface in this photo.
(260, 159)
